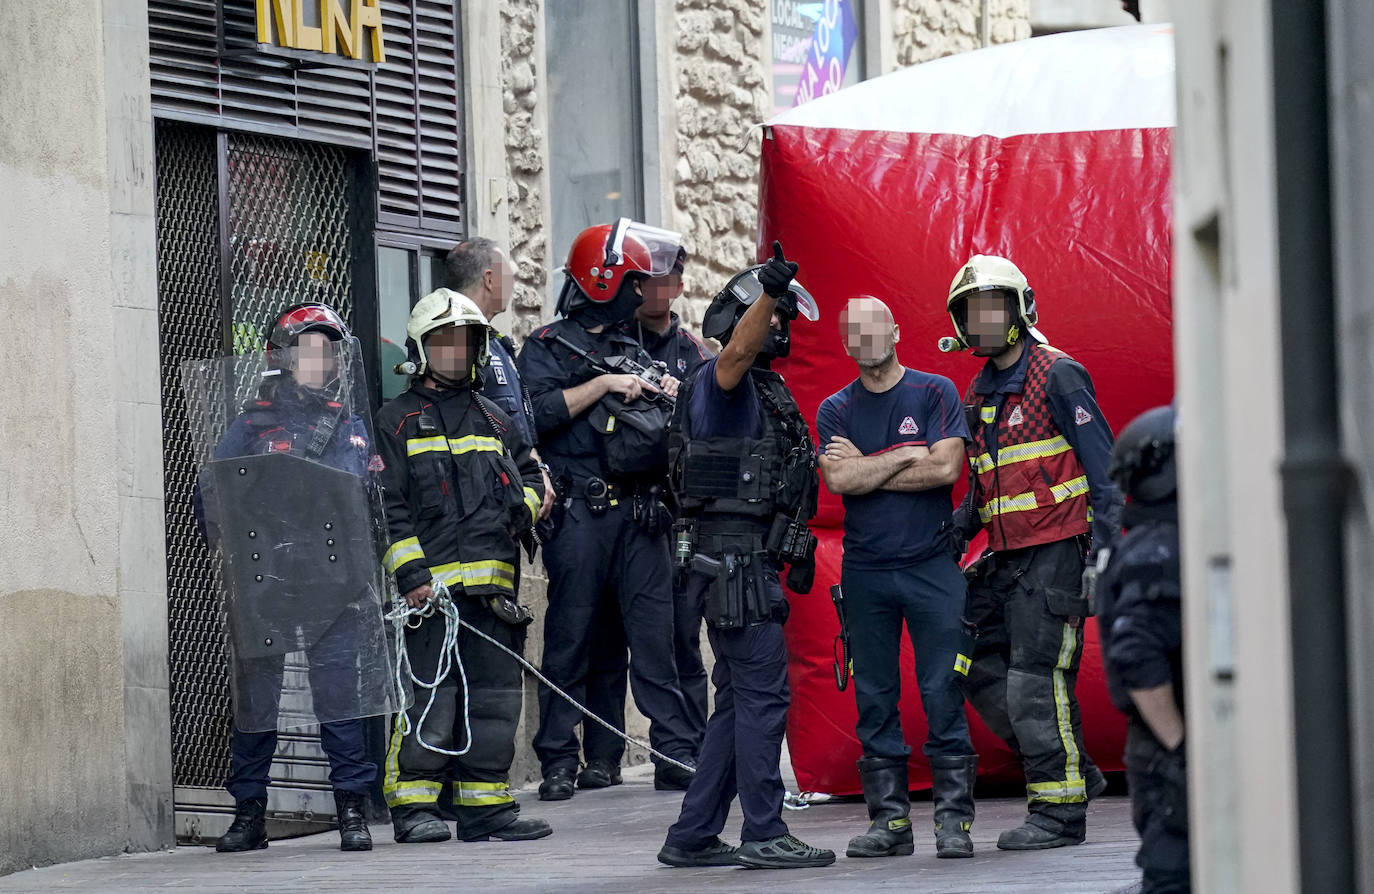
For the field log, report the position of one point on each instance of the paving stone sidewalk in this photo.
(605, 841)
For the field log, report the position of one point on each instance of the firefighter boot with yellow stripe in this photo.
(889, 809)
(951, 788)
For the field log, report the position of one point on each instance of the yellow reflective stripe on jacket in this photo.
(476, 443)
(465, 444)
(988, 414)
(534, 503)
(476, 574)
(437, 443)
(481, 794)
(1019, 453)
(1003, 505)
(962, 665)
(401, 552)
(1074, 487)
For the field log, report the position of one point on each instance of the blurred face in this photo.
(317, 363)
(870, 334)
(503, 278)
(988, 320)
(450, 352)
(659, 294)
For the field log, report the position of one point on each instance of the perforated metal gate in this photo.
(246, 225)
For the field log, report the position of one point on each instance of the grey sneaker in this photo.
(783, 852)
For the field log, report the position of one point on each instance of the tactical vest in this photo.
(1036, 490)
(745, 479)
(632, 437)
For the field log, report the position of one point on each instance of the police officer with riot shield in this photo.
(603, 432)
(744, 469)
(1142, 646)
(289, 497)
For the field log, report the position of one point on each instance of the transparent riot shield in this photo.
(287, 493)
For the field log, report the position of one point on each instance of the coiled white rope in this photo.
(442, 603)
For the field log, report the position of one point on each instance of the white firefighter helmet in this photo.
(984, 273)
(440, 308)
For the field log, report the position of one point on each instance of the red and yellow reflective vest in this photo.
(1036, 490)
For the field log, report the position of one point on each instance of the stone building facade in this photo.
(85, 658)
(713, 57)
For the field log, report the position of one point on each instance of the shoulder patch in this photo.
(1081, 416)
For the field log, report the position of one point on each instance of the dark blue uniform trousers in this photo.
(928, 597)
(743, 746)
(589, 557)
(610, 662)
(260, 683)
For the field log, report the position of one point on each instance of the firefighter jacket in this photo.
(460, 490)
(1028, 454)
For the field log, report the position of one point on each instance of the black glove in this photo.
(776, 276)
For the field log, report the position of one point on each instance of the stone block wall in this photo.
(527, 153)
(928, 29)
(723, 88)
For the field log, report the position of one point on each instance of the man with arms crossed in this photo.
(893, 446)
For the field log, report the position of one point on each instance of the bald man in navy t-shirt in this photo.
(893, 446)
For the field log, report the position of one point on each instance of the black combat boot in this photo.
(951, 787)
(353, 833)
(557, 784)
(248, 831)
(1040, 832)
(889, 809)
(517, 830)
(599, 773)
(418, 825)
(672, 778)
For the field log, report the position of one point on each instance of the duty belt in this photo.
(601, 495)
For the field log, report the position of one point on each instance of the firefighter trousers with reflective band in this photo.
(481, 784)
(1158, 780)
(1027, 607)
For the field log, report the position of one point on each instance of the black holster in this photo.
(738, 595)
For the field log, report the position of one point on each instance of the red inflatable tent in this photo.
(1053, 152)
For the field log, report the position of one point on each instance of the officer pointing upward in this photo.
(744, 470)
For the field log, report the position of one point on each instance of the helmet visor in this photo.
(747, 289)
(664, 246)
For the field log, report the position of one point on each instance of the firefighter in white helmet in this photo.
(1039, 487)
(462, 492)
